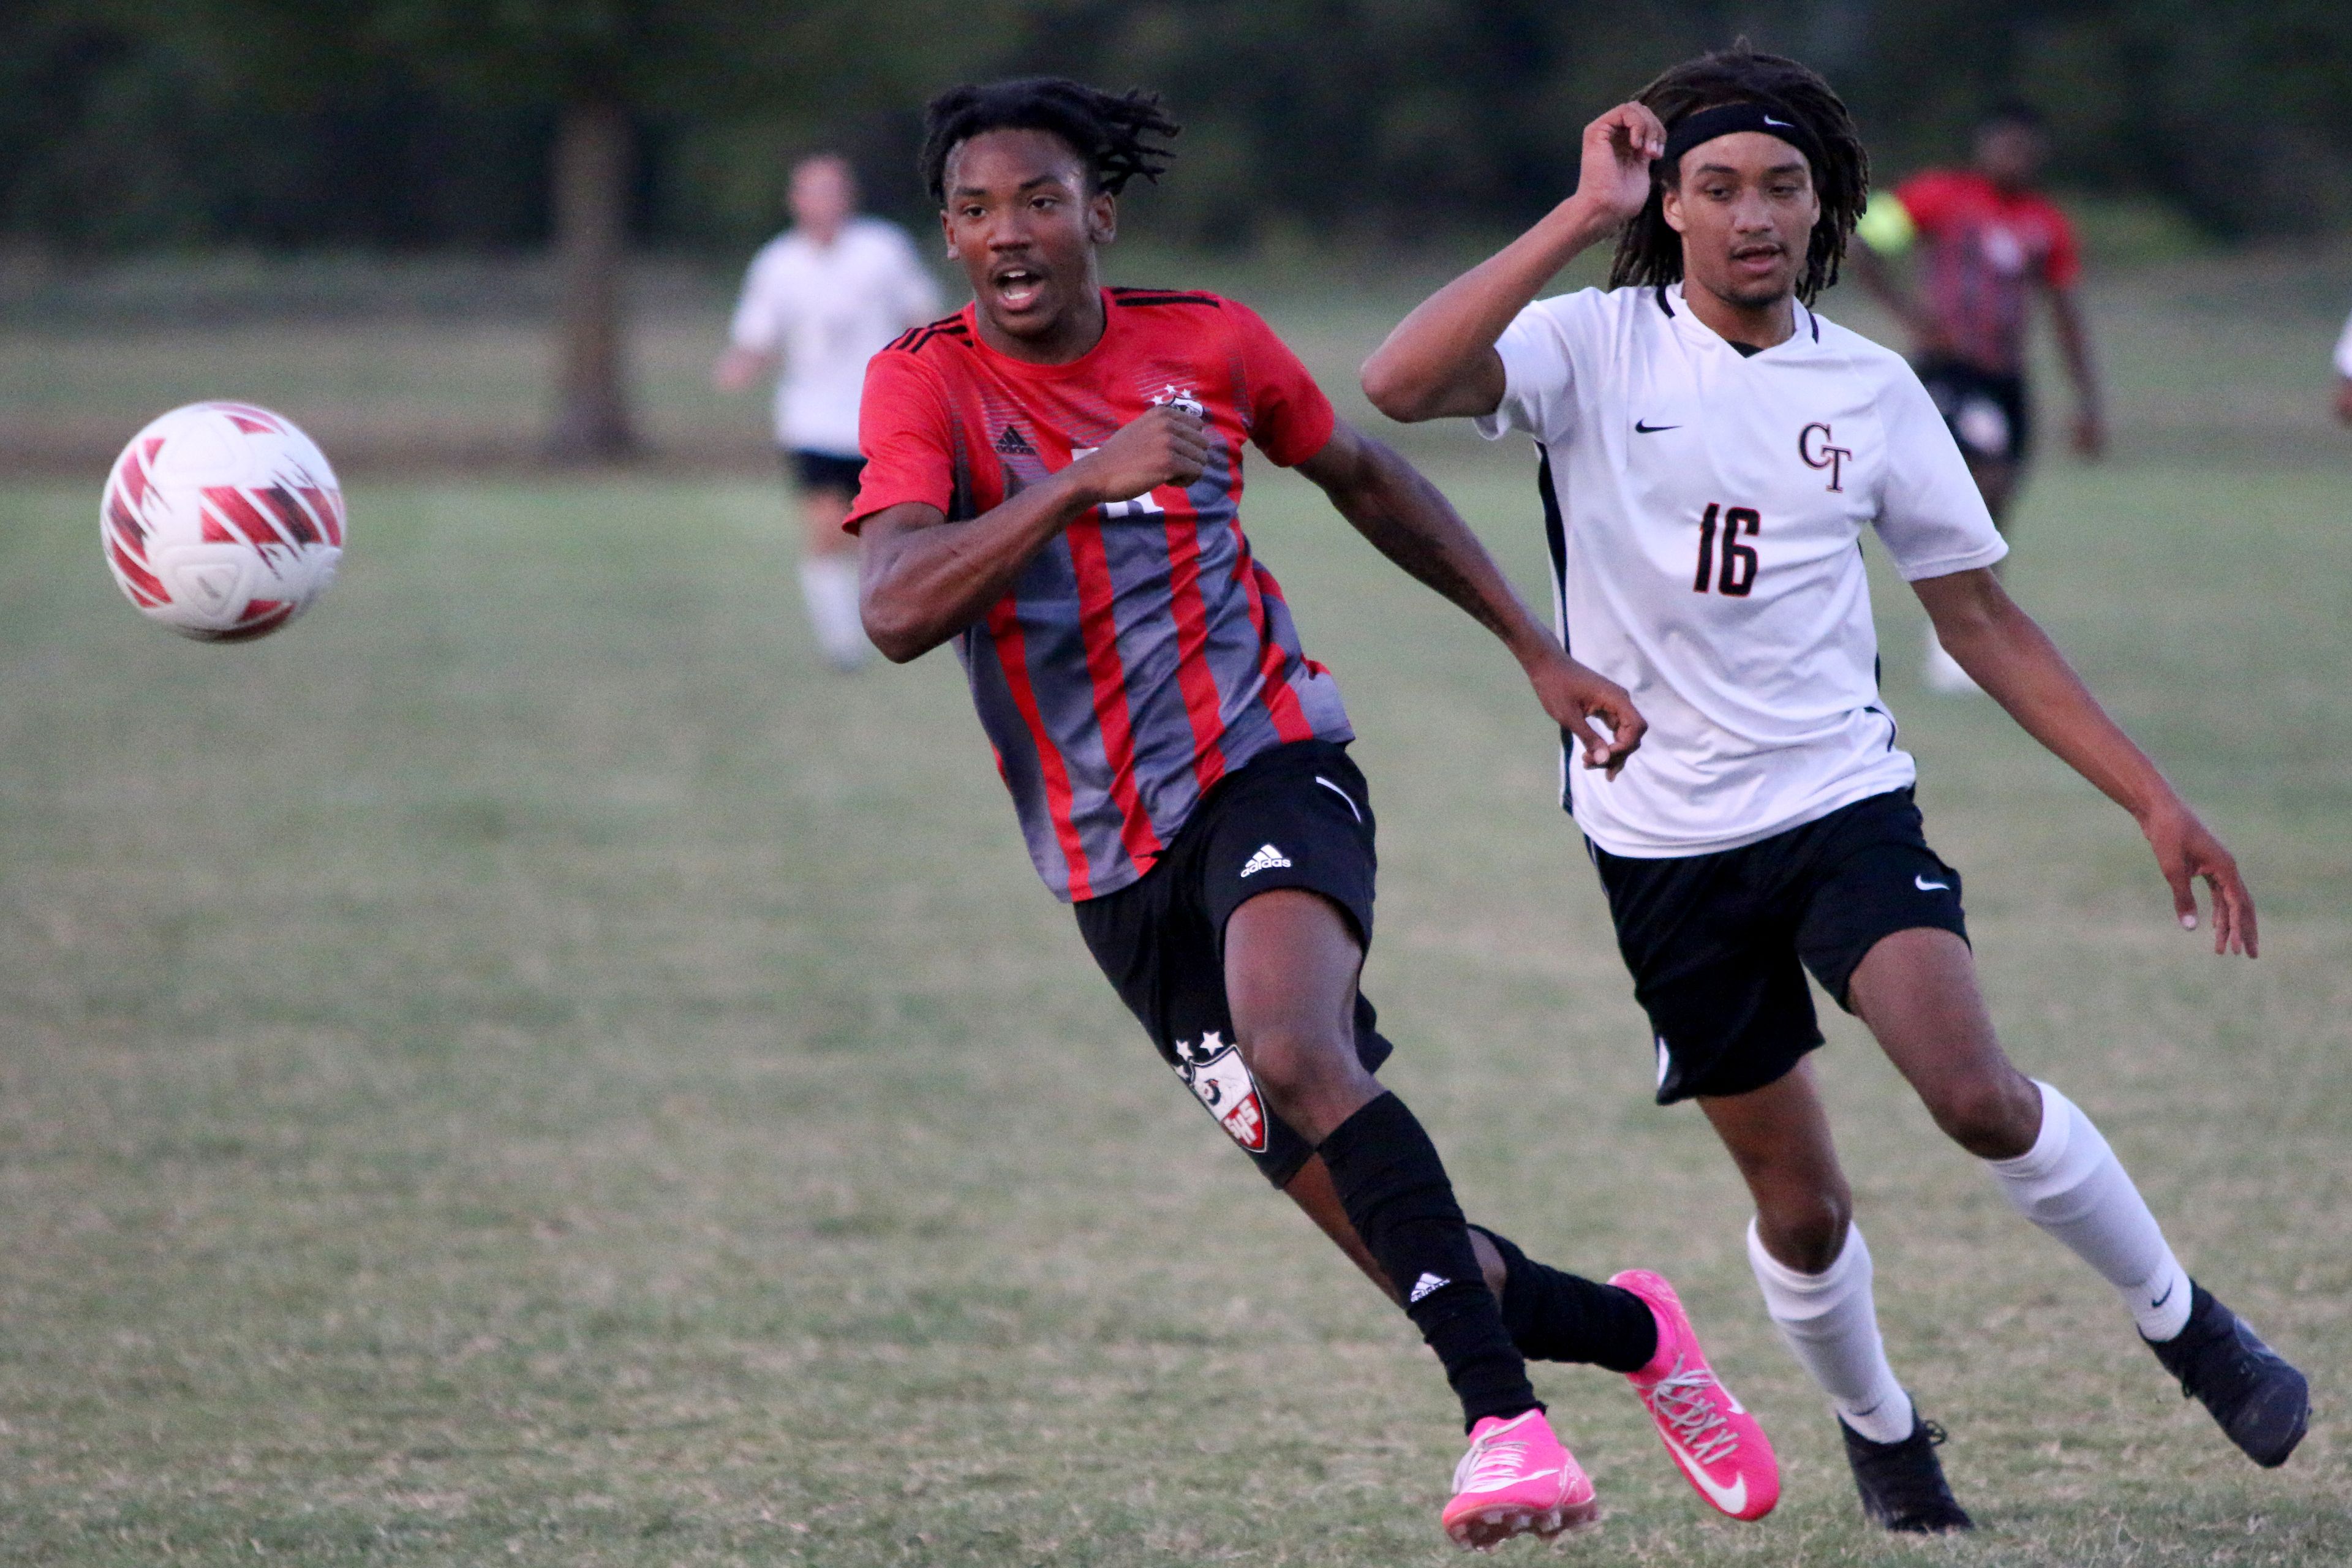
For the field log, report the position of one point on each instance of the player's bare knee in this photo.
(1490, 1262)
(1995, 1114)
(1806, 1229)
(1300, 1069)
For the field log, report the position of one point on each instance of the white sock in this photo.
(1832, 1323)
(829, 587)
(2071, 1185)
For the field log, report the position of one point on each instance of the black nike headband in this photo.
(1724, 120)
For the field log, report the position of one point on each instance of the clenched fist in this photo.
(1163, 446)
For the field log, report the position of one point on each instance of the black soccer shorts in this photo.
(1718, 943)
(823, 470)
(1298, 815)
(1989, 413)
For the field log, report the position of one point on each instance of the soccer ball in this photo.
(222, 521)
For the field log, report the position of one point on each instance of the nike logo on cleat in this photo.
(1926, 886)
(1267, 859)
(1424, 1286)
(1730, 1499)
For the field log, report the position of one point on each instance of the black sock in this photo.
(1394, 1189)
(1553, 1315)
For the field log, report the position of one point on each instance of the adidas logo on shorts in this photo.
(1267, 859)
(1424, 1285)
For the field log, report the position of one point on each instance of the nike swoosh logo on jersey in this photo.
(1926, 886)
(1653, 429)
(1729, 1499)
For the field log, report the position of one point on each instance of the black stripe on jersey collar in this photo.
(914, 338)
(1163, 297)
(1810, 317)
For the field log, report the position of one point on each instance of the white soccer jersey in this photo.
(825, 311)
(1706, 513)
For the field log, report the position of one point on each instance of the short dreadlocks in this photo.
(1651, 253)
(1116, 135)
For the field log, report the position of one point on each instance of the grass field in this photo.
(521, 1068)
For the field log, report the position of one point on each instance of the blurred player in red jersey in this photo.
(1053, 483)
(1987, 238)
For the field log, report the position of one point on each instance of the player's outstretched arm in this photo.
(2017, 664)
(1408, 520)
(737, 367)
(1872, 271)
(2075, 348)
(922, 579)
(1440, 362)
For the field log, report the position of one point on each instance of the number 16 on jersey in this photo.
(1738, 576)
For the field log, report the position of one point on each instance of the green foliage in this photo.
(173, 127)
(124, 124)
(689, 58)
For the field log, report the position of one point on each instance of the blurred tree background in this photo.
(426, 123)
(591, 126)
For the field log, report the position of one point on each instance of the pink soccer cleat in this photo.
(1722, 1451)
(1517, 1479)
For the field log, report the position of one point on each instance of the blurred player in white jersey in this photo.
(818, 301)
(1713, 454)
(2344, 374)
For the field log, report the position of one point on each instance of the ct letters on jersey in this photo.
(1216, 1072)
(1813, 446)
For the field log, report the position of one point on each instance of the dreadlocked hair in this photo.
(1116, 135)
(1651, 253)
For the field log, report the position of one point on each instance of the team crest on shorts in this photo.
(1216, 1072)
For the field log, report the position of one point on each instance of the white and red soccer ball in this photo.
(222, 521)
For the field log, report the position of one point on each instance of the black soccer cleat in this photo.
(1902, 1484)
(2262, 1402)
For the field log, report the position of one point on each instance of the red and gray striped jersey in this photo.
(1985, 248)
(1144, 652)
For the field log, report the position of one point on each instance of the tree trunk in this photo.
(590, 213)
